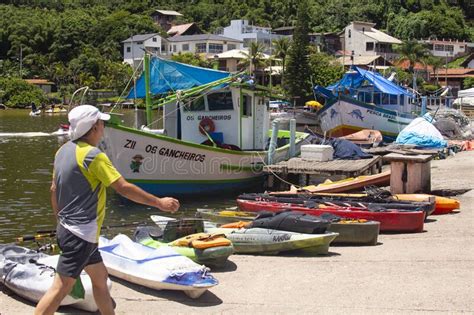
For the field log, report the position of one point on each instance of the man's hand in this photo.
(167, 204)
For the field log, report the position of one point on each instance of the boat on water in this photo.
(215, 136)
(30, 274)
(35, 113)
(364, 99)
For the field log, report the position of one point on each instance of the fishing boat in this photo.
(365, 99)
(215, 136)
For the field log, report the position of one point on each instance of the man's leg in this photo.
(50, 302)
(98, 275)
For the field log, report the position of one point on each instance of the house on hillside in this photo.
(448, 49)
(231, 60)
(135, 46)
(454, 78)
(364, 40)
(43, 84)
(207, 45)
(365, 62)
(185, 29)
(243, 31)
(165, 18)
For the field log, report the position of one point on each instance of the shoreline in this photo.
(429, 272)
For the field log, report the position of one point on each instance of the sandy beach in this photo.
(429, 272)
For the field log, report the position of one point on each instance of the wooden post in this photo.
(409, 173)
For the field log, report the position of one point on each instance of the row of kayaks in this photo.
(165, 257)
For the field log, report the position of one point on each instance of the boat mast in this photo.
(146, 65)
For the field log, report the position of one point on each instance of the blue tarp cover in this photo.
(166, 75)
(356, 77)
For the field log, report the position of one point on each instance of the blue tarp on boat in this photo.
(166, 76)
(357, 78)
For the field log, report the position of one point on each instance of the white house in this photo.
(243, 31)
(364, 40)
(134, 47)
(207, 44)
(446, 48)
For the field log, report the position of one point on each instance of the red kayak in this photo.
(390, 220)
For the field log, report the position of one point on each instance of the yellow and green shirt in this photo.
(81, 174)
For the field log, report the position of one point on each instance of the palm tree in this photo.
(281, 46)
(254, 58)
(412, 51)
(435, 63)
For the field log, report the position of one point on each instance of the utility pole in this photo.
(271, 57)
(21, 61)
(446, 72)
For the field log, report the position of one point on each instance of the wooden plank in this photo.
(419, 158)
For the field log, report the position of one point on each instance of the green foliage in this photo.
(297, 76)
(456, 63)
(429, 87)
(254, 59)
(468, 83)
(412, 51)
(324, 69)
(15, 92)
(192, 59)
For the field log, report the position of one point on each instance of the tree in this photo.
(412, 51)
(281, 46)
(324, 69)
(468, 83)
(297, 76)
(435, 63)
(16, 92)
(192, 59)
(254, 58)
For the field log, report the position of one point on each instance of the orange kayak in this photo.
(443, 205)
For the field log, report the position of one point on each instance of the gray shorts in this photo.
(76, 253)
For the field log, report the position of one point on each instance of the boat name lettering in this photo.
(177, 154)
(130, 144)
(373, 112)
(281, 238)
(215, 117)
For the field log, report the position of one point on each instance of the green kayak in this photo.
(214, 257)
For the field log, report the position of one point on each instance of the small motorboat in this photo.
(63, 130)
(35, 113)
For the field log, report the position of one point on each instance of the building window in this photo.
(129, 49)
(174, 48)
(438, 47)
(349, 34)
(163, 48)
(154, 39)
(185, 47)
(216, 48)
(139, 43)
(247, 105)
(369, 46)
(231, 46)
(220, 101)
(247, 41)
(201, 48)
(449, 48)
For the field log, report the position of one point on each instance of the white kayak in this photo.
(159, 269)
(30, 274)
(35, 113)
(266, 241)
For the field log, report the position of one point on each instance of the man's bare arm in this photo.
(54, 200)
(138, 195)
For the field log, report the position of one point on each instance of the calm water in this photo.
(26, 162)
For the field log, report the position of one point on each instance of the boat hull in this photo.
(390, 220)
(163, 165)
(346, 115)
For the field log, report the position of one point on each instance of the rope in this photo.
(274, 174)
(126, 87)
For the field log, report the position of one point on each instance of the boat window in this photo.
(196, 105)
(247, 105)
(220, 101)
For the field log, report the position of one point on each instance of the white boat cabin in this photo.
(231, 115)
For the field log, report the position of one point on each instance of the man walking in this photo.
(78, 193)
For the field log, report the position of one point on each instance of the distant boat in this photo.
(214, 138)
(364, 99)
(35, 113)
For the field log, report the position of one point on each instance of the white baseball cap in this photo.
(82, 118)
